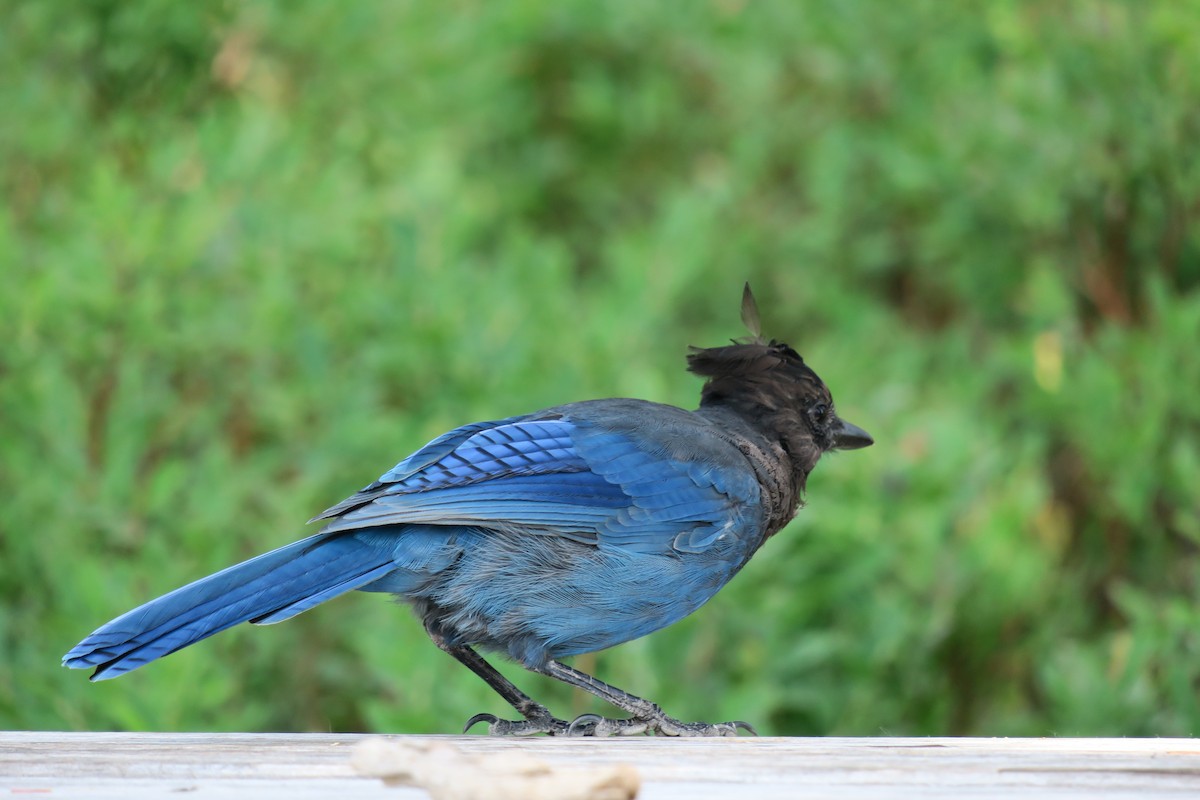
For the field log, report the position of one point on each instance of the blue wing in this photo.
(557, 476)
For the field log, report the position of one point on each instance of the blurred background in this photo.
(254, 253)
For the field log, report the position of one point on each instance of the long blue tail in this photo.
(270, 588)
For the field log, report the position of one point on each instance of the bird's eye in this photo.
(819, 411)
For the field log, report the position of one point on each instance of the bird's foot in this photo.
(535, 723)
(538, 720)
(657, 723)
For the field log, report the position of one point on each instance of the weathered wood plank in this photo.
(301, 766)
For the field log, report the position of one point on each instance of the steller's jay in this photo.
(544, 536)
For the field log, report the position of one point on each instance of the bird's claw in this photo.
(524, 727)
(706, 728)
(596, 725)
(661, 725)
(584, 725)
(490, 719)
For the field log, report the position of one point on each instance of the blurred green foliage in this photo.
(254, 253)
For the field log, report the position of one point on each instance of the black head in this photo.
(768, 383)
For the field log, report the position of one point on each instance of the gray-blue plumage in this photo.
(542, 536)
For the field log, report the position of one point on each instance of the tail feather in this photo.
(266, 589)
(305, 603)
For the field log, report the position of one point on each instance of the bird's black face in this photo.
(769, 381)
(830, 431)
(821, 419)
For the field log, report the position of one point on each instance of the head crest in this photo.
(750, 315)
(749, 358)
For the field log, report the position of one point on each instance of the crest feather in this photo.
(750, 315)
(748, 357)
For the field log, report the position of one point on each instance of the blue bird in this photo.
(544, 536)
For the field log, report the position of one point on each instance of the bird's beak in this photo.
(848, 436)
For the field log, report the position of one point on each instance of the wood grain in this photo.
(302, 766)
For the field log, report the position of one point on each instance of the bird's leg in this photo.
(538, 718)
(646, 717)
